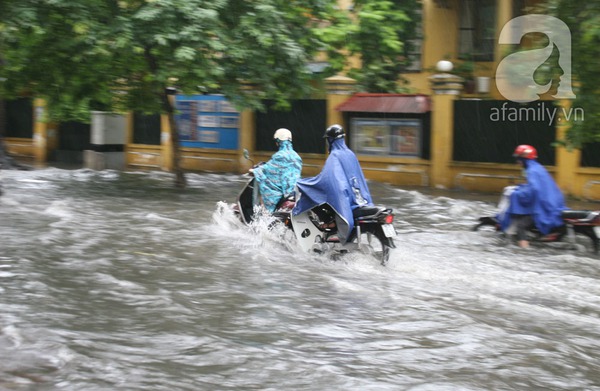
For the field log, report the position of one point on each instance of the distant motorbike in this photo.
(316, 229)
(583, 222)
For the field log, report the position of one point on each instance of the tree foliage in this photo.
(77, 53)
(123, 54)
(583, 19)
(380, 33)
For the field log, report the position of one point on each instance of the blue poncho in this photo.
(277, 177)
(540, 197)
(341, 184)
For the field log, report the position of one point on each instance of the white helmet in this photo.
(282, 134)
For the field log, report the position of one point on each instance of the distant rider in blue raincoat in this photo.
(539, 202)
(341, 183)
(277, 177)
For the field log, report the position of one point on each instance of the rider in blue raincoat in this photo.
(538, 202)
(341, 183)
(277, 177)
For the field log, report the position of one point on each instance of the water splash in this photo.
(157, 289)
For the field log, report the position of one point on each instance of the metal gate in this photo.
(488, 131)
(590, 155)
(19, 118)
(146, 129)
(306, 118)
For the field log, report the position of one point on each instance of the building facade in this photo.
(456, 129)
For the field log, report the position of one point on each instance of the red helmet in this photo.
(526, 152)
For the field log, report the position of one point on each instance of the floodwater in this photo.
(117, 281)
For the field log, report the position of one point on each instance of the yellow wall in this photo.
(200, 159)
(21, 148)
(143, 156)
(440, 42)
(587, 183)
(440, 37)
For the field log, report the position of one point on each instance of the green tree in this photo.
(125, 54)
(380, 33)
(583, 19)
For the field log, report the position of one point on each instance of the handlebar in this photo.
(250, 173)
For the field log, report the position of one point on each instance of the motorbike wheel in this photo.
(373, 245)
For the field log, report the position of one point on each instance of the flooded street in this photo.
(118, 281)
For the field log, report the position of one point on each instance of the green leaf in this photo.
(185, 53)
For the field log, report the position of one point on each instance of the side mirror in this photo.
(247, 156)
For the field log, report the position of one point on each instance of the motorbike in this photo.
(249, 199)
(582, 222)
(316, 229)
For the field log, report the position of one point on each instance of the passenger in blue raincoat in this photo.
(538, 202)
(341, 183)
(277, 177)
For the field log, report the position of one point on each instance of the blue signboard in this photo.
(207, 121)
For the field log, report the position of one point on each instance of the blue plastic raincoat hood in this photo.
(277, 178)
(540, 197)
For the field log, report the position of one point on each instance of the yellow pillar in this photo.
(128, 135)
(129, 128)
(338, 89)
(567, 161)
(166, 161)
(504, 12)
(246, 137)
(446, 88)
(40, 131)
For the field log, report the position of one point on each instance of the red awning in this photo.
(386, 103)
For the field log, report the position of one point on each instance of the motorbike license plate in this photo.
(388, 230)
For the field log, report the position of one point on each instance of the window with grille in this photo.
(414, 46)
(477, 30)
